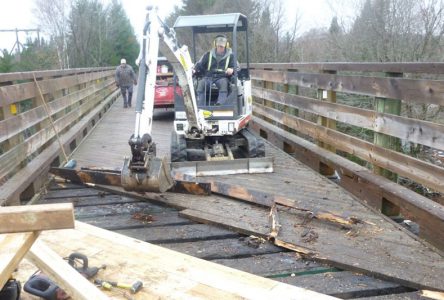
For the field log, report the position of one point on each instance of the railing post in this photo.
(330, 96)
(286, 89)
(391, 106)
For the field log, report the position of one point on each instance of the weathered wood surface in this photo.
(365, 185)
(294, 180)
(416, 91)
(433, 68)
(16, 124)
(380, 242)
(22, 91)
(423, 172)
(108, 144)
(246, 253)
(11, 190)
(413, 130)
(19, 76)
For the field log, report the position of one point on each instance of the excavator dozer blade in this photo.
(192, 169)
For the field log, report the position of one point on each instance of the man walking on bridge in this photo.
(125, 77)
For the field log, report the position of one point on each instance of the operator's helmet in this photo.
(123, 61)
(221, 40)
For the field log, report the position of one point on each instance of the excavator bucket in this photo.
(154, 177)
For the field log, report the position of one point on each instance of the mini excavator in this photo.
(208, 139)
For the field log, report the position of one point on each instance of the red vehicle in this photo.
(166, 87)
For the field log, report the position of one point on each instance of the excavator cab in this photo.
(225, 134)
(203, 29)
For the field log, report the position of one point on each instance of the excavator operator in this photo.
(217, 65)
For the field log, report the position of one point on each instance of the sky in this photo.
(19, 14)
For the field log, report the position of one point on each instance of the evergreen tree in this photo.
(6, 62)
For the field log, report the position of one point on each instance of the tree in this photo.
(398, 30)
(53, 16)
(100, 36)
(38, 55)
(86, 35)
(6, 62)
(120, 37)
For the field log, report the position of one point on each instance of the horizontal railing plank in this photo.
(17, 124)
(412, 130)
(21, 76)
(431, 68)
(40, 165)
(18, 92)
(16, 155)
(420, 171)
(411, 90)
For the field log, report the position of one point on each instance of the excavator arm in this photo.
(144, 171)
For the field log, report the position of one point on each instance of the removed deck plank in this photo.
(166, 273)
(381, 250)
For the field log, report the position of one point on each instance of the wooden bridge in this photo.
(304, 112)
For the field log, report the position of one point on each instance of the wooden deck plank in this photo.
(166, 273)
(184, 233)
(121, 208)
(395, 258)
(127, 221)
(107, 145)
(273, 265)
(344, 285)
(220, 249)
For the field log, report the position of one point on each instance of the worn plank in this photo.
(117, 209)
(412, 90)
(17, 184)
(136, 220)
(365, 185)
(17, 124)
(84, 192)
(274, 265)
(420, 171)
(174, 234)
(392, 255)
(91, 200)
(405, 67)
(16, 76)
(36, 217)
(413, 130)
(226, 248)
(344, 285)
(400, 296)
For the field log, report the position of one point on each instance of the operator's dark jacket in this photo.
(202, 65)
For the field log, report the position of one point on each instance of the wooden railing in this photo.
(313, 112)
(37, 107)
